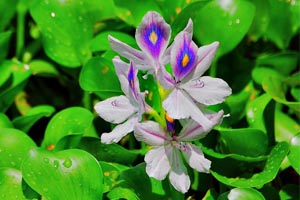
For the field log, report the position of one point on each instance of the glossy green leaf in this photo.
(210, 195)
(72, 120)
(283, 62)
(26, 121)
(294, 153)
(101, 43)
(43, 68)
(261, 19)
(122, 193)
(280, 29)
(288, 192)
(245, 194)
(98, 75)
(234, 16)
(5, 121)
(174, 8)
(111, 172)
(67, 28)
(7, 11)
(285, 126)
(69, 174)
(133, 11)
(260, 73)
(275, 88)
(15, 84)
(4, 43)
(269, 172)
(14, 147)
(295, 92)
(234, 141)
(11, 184)
(130, 179)
(107, 152)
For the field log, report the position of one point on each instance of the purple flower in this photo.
(126, 110)
(166, 155)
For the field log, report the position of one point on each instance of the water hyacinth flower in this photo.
(124, 110)
(191, 89)
(166, 155)
(152, 37)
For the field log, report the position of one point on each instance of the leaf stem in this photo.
(21, 12)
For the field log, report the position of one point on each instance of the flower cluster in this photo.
(184, 93)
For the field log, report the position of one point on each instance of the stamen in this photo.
(153, 37)
(185, 60)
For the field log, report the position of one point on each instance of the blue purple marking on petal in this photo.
(185, 60)
(153, 39)
(170, 124)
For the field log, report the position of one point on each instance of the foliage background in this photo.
(55, 64)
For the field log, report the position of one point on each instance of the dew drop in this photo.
(237, 21)
(67, 163)
(53, 14)
(80, 19)
(13, 163)
(55, 164)
(46, 160)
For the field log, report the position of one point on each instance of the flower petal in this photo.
(193, 131)
(164, 78)
(127, 51)
(179, 106)
(151, 133)
(157, 161)
(153, 35)
(183, 55)
(122, 71)
(115, 109)
(178, 175)
(207, 90)
(119, 131)
(194, 156)
(205, 55)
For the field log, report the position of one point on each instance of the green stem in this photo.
(213, 69)
(21, 12)
(86, 101)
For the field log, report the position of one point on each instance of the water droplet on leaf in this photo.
(55, 163)
(67, 163)
(53, 14)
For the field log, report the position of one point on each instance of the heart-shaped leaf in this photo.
(294, 153)
(98, 75)
(245, 194)
(70, 174)
(72, 120)
(5, 122)
(285, 127)
(67, 28)
(11, 184)
(43, 68)
(269, 172)
(234, 140)
(26, 121)
(234, 16)
(14, 147)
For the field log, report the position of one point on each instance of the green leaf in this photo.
(72, 120)
(210, 195)
(15, 83)
(11, 184)
(107, 152)
(122, 193)
(98, 75)
(233, 16)
(70, 174)
(260, 73)
(43, 68)
(289, 191)
(234, 141)
(261, 19)
(133, 11)
(101, 43)
(14, 147)
(7, 11)
(5, 121)
(245, 194)
(280, 29)
(67, 28)
(269, 172)
(26, 121)
(274, 86)
(294, 153)
(295, 92)
(283, 62)
(111, 172)
(285, 127)
(4, 43)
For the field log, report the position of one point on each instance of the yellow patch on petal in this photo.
(185, 60)
(169, 119)
(153, 37)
